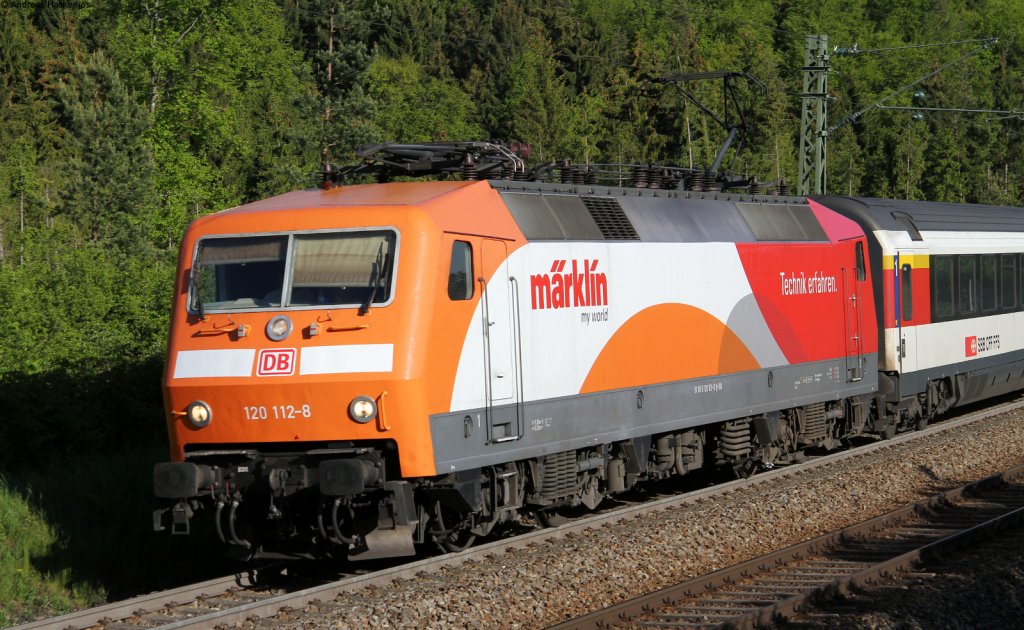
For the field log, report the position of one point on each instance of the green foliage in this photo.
(335, 37)
(108, 167)
(75, 303)
(123, 121)
(538, 105)
(229, 100)
(25, 590)
(415, 107)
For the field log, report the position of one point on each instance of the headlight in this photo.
(199, 414)
(279, 327)
(362, 409)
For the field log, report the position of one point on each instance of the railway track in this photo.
(233, 600)
(774, 587)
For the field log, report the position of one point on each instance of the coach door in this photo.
(854, 279)
(903, 301)
(500, 356)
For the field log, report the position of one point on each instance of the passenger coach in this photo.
(951, 330)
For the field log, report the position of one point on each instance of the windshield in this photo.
(293, 270)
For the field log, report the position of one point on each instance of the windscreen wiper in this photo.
(194, 280)
(381, 269)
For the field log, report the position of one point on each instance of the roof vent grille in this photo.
(610, 219)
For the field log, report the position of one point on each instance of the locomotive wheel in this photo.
(744, 469)
(560, 515)
(454, 539)
(550, 518)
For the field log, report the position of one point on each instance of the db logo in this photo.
(971, 346)
(276, 362)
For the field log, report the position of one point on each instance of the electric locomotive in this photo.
(359, 369)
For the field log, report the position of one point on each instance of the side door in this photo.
(854, 279)
(904, 278)
(501, 359)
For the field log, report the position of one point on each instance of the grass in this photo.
(27, 591)
(77, 533)
(76, 498)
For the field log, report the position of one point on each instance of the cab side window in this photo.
(460, 273)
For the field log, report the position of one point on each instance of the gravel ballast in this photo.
(978, 587)
(545, 584)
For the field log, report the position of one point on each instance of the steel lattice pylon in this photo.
(814, 116)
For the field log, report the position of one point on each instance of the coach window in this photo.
(1008, 280)
(967, 284)
(906, 294)
(989, 273)
(1020, 276)
(861, 270)
(943, 291)
(460, 273)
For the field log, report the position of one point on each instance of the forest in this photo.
(123, 120)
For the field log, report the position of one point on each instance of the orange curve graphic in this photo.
(664, 343)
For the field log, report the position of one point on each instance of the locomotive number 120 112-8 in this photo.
(277, 412)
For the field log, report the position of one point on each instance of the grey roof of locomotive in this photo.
(588, 213)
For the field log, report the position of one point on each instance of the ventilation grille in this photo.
(610, 219)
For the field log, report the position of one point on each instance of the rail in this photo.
(230, 600)
(775, 586)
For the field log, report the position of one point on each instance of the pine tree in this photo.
(335, 37)
(109, 174)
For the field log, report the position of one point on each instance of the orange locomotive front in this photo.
(311, 340)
